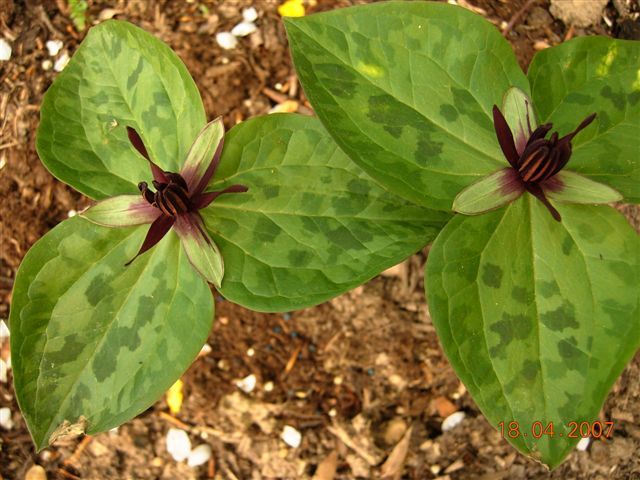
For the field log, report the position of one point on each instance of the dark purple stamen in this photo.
(541, 158)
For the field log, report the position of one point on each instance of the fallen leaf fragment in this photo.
(327, 468)
(392, 467)
(444, 406)
(175, 397)
(291, 8)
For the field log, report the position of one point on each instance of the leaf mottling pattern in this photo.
(406, 90)
(91, 337)
(329, 228)
(547, 342)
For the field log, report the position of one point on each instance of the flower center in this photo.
(170, 198)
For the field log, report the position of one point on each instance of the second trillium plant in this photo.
(533, 285)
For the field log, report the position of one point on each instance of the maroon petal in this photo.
(157, 231)
(505, 137)
(537, 192)
(204, 199)
(584, 124)
(138, 144)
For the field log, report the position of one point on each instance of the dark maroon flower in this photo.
(175, 202)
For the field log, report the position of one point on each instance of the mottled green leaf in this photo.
(406, 89)
(537, 317)
(119, 76)
(594, 74)
(95, 339)
(312, 224)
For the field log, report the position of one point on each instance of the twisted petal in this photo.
(157, 231)
(489, 193)
(121, 211)
(537, 192)
(138, 144)
(203, 157)
(204, 199)
(200, 249)
(505, 137)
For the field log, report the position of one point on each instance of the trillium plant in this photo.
(111, 306)
(533, 283)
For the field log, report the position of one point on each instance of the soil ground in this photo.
(353, 374)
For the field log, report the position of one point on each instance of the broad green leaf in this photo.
(312, 224)
(406, 89)
(93, 339)
(119, 76)
(587, 75)
(537, 317)
(489, 193)
(571, 187)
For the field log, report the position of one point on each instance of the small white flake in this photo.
(71, 213)
(178, 444)
(268, 387)
(250, 352)
(247, 384)
(5, 50)
(5, 418)
(243, 29)
(205, 350)
(3, 371)
(583, 444)
(249, 14)
(199, 455)
(226, 40)
(452, 421)
(54, 46)
(61, 62)
(4, 330)
(291, 436)
(47, 64)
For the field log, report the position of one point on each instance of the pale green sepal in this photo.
(201, 250)
(121, 211)
(571, 187)
(518, 111)
(489, 193)
(206, 146)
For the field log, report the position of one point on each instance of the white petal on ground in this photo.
(247, 384)
(583, 444)
(5, 418)
(226, 40)
(249, 14)
(291, 436)
(3, 371)
(4, 330)
(5, 50)
(452, 421)
(199, 455)
(243, 29)
(178, 444)
(61, 62)
(54, 46)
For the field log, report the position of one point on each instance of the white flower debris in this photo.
(3, 371)
(4, 330)
(54, 46)
(247, 384)
(291, 436)
(178, 444)
(71, 213)
(61, 62)
(226, 40)
(249, 14)
(583, 444)
(5, 50)
(452, 421)
(243, 29)
(47, 64)
(5, 418)
(199, 455)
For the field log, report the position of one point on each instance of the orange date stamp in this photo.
(539, 429)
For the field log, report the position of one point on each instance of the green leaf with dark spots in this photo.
(312, 224)
(406, 89)
(120, 76)
(587, 75)
(92, 339)
(537, 317)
